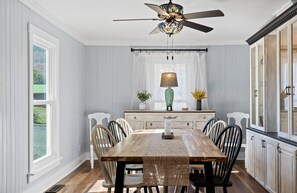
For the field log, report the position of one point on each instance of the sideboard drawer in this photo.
(174, 124)
(154, 124)
(204, 117)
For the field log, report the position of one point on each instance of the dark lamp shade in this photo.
(168, 79)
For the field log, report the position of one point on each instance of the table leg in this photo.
(119, 183)
(209, 177)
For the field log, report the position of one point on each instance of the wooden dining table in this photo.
(132, 150)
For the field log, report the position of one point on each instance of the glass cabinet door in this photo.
(294, 74)
(254, 89)
(257, 85)
(260, 104)
(284, 80)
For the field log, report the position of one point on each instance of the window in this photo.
(180, 98)
(43, 132)
(190, 68)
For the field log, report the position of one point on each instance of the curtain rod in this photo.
(173, 50)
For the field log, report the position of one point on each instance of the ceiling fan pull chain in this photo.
(172, 48)
(167, 52)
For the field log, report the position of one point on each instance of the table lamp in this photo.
(169, 79)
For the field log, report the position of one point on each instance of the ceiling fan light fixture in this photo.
(172, 8)
(170, 28)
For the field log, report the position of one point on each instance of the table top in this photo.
(197, 146)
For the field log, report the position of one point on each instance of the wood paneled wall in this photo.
(14, 18)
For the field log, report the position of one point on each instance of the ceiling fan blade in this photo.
(155, 31)
(157, 9)
(197, 26)
(203, 14)
(151, 19)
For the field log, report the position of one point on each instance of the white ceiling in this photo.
(91, 21)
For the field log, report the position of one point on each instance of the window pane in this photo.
(39, 73)
(40, 131)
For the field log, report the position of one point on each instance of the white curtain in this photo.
(144, 72)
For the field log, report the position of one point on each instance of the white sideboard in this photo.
(147, 119)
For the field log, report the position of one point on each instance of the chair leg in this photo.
(225, 189)
(109, 190)
(127, 190)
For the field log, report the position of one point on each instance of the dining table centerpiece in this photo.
(143, 96)
(199, 95)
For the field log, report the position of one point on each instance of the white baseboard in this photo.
(45, 182)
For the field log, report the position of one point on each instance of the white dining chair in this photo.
(99, 117)
(237, 118)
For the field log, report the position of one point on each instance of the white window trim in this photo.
(46, 164)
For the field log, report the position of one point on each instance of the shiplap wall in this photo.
(109, 76)
(228, 79)
(14, 18)
(109, 79)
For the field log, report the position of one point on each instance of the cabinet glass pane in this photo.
(294, 69)
(284, 80)
(260, 85)
(254, 88)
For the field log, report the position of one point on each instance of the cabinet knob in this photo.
(151, 124)
(134, 117)
(188, 124)
(252, 137)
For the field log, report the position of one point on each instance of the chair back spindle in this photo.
(125, 125)
(209, 124)
(117, 131)
(215, 130)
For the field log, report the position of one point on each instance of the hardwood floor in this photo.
(83, 178)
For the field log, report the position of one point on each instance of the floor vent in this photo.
(55, 188)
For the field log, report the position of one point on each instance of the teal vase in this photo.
(169, 95)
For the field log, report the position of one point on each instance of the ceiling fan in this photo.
(173, 19)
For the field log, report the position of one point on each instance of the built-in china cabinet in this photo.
(271, 151)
